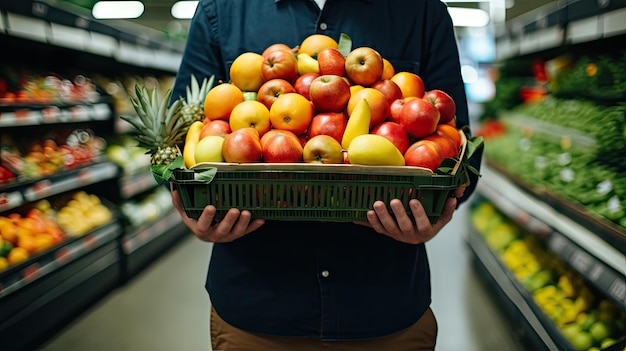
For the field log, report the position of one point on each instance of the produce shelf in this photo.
(31, 115)
(143, 244)
(598, 261)
(532, 325)
(15, 194)
(39, 296)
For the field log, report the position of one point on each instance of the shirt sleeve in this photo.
(441, 69)
(202, 54)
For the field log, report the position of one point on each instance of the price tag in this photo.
(62, 255)
(51, 114)
(557, 243)
(78, 113)
(42, 188)
(617, 289)
(31, 272)
(89, 242)
(10, 200)
(84, 177)
(580, 261)
(596, 272)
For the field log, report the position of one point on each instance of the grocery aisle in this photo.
(165, 307)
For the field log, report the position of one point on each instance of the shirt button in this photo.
(323, 26)
(325, 274)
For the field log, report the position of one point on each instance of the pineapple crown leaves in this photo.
(157, 126)
(196, 93)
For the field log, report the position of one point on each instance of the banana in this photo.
(191, 140)
(358, 123)
(307, 64)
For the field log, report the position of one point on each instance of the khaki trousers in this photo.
(420, 336)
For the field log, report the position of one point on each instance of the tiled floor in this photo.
(165, 307)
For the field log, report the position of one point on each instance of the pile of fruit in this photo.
(45, 225)
(321, 102)
(586, 319)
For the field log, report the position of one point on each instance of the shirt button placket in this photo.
(323, 26)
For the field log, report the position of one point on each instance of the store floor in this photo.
(165, 307)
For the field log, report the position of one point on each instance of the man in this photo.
(315, 285)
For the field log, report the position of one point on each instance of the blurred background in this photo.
(93, 256)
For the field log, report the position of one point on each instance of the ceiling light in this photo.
(466, 17)
(184, 9)
(117, 9)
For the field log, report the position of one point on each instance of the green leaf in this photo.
(206, 175)
(162, 173)
(345, 44)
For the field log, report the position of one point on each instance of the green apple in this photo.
(209, 149)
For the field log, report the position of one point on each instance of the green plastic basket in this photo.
(309, 192)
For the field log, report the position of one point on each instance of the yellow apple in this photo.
(209, 149)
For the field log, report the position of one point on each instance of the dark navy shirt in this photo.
(312, 279)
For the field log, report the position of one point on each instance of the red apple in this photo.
(274, 47)
(280, 64)
(390, 89)
(242, 146)
(446, 144)
(364, 66)
(395, 107)
(331, 61)
(425, 154)
(328, 123)
(282, 147)
(394, 133)
(329, 93)
(419, 117)
(444, 103)
(215, 127)
(323, 149)
(303, 84)
(272, 89)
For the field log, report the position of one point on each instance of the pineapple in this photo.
(193, 109)
(158, 129)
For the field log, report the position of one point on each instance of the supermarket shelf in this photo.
(44, 307)
(15, 195)
(599, 262)
(142, 245)
(136, 184)
(561, 23)
(37, 115)
(19, 276)
(533, 326)
(42, 22)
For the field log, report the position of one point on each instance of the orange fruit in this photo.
(17, 255)
(410, 83)
(355, 88)
(245, 72)
(450, 132)
(250, 113)
(221, 100)
(292, 112)
(376, 100)
(388, 70)
(315, 43)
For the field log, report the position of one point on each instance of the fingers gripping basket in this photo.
(311, 192)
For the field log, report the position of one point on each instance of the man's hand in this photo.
(233, 226)
(405, 229)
